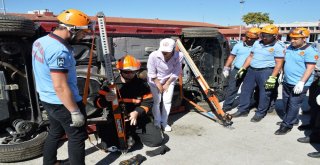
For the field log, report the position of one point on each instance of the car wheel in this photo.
(13, 152)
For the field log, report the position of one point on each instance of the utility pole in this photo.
(3, 7)
(241, 5)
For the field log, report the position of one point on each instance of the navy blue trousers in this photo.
(256, 77)
(292, 103)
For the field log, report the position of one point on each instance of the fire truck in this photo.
(23, 121)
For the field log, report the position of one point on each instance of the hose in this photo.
(14, 69)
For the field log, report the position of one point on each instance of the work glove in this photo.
(298, 88)
(271, 82)
(77, 119)
(226, 71)
(241, 73)
(318, 99)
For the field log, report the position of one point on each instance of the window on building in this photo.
(311, 28)
(287, 28)
(312, 38)
(282, 28)
(317, 28)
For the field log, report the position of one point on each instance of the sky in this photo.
(220, 12)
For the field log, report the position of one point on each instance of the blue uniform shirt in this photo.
(53, 54)
(263, 55)
(241, 51)
(295, 64)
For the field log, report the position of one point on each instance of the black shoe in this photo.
(282, 130)
(305, 127)
(304, 139)
(256, 118)
(138, 159)
(314, 154)
(240, 114)
(279, 123)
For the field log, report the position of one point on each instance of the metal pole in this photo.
(241, 4)
(4, 7)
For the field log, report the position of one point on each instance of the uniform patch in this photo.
(316, 57)
(60, 62)
(301, 53)
(271, 50)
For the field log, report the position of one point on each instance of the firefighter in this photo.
(300, 60)
(54, 69)
(238, 55)
(135, 100)
(263, 64)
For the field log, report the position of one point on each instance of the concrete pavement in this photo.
(196, 139)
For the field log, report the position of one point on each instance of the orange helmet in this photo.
(270, 29)
(253, 32)
(75, 18)
(299, 32)
(128, 62)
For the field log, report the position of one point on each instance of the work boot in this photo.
(314, 154)
(282, 130)
(240, 114)
(256, 118)
(305, 127)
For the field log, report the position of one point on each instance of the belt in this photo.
(260, 69)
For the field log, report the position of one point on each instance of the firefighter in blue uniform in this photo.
(54, 69)
(300, 60)
(238, 55)
(135, 100)
(263, 64)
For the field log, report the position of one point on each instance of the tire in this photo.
(16, 26)
(24, 150)
(198, 32)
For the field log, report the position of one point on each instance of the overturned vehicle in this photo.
(23, 120)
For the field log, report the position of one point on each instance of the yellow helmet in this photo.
(299, 32)
(73, 17)
(128, 62)
(253, 32)
(270, 29)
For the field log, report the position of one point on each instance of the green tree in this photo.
(256, 18)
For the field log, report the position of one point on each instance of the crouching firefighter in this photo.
(135, 101)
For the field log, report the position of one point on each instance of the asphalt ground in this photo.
(195, 139)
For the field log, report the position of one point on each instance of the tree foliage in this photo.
(256, 18)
